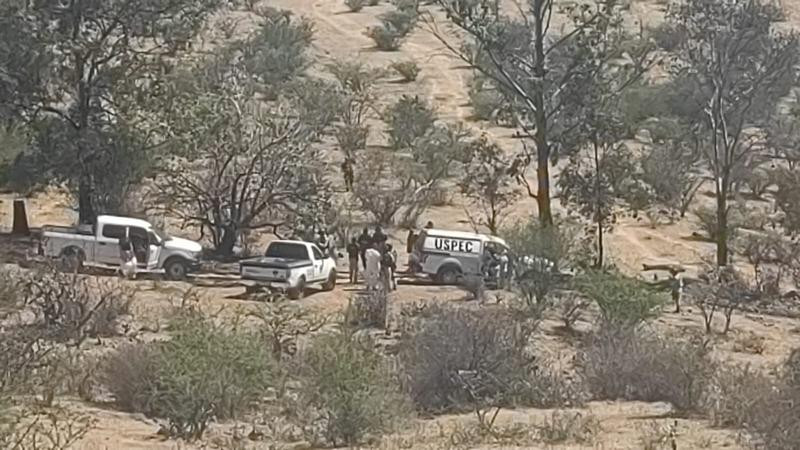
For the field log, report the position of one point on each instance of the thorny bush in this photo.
(629, 364)
(490, 347)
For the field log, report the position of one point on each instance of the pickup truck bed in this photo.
(268, 262)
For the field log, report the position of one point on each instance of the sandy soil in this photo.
(443, 80)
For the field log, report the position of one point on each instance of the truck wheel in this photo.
(176, 269)
(71, 260)
(298, 292)
(330, 284)
(448, 275)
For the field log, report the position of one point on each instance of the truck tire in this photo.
(175, 269)
(330, 283)
(71, 260)
(448, 274)
(296, 293)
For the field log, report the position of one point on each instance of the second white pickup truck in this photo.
(98, 245)
(291, 266)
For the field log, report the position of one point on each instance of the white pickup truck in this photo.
(291, 266)
(98, 245)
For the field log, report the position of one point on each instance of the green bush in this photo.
(386, 37)
(350, 388)
(408, 119)
(409, 70)
(203, 372)
(623, 302)
(487, 103)
(403, 19)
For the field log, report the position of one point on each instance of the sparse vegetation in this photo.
(350, 388)
(408, 70)
(355, 5)
(453, 344)
(204, 372)
(634, 365)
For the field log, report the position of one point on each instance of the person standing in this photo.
(128, 262)
(373, 268)
(388, 267)
(347, 172)
(379, 238)
(324, 243)
(364, 242)
(352, 255)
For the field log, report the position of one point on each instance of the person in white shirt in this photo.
(373, 269)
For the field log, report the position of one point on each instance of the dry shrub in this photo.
(491, 346)
(633, 365)
(128, 373)
(350, 389)
(368, 309)
(55, 428)
(566, 426)
(72, 307)
(766, 408)
(355, 5)
(409, 70)
(654, 436)
(708, 222)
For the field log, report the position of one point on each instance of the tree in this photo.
(89, 63)
(540, 254)
(388, 184)
(488, 184)
(670, 169)
(738, 66)
(239, 163)
(533, 67)
(408, 119)
(602, 169)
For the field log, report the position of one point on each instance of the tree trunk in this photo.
(86, 212)
(722, 223)
(539, 13)
(20, 225)
(599, 204)
(229, 237)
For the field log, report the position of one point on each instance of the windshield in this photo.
(287, 250)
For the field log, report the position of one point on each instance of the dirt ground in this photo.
(760, 340)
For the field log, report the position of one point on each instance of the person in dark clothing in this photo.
(125, 249)
(353, 251)
(388, 267)
(347, 172)
(364, 242)
(379, 238)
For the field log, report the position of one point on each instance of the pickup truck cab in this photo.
(291, 266)
(98, 245)
(446, 256)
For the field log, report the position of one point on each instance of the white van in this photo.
(448, 255)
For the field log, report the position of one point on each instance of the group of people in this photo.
(377, 257)
(496, 265)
